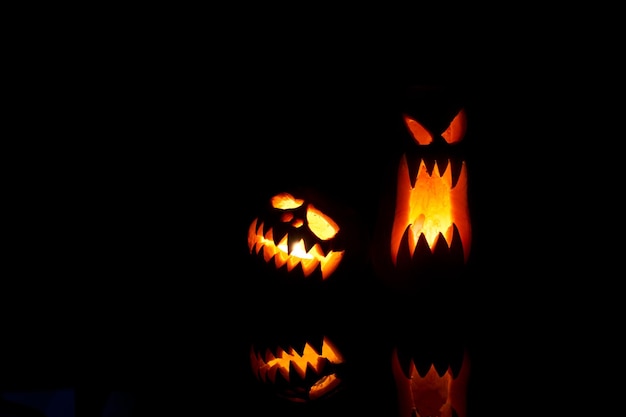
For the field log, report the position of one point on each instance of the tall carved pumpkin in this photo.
(430, 355)
(424, 230)
(429, 388)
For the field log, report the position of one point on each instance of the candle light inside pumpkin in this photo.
(292, 218)
(431, 205)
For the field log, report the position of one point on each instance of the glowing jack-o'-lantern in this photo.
(294, 235)
(431, 389)
(427, 229)
(431, 205)
(304, 373)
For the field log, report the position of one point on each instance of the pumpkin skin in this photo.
(423, 234)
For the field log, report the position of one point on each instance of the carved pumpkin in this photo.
(427, 388)
(430, 358)
(297, 237)
(299, 372)
(424, 230)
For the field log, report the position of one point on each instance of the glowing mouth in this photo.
(292, 256)
(431, 205)
(437, 391)
(310, 370)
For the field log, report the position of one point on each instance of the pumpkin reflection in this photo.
(299, 375)
(431, 392)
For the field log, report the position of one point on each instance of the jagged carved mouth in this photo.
(285, 251)
(300, 375)
(431, 389)
(296, 234)
(431, 206)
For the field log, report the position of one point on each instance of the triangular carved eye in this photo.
(455, 132)
(419, 132)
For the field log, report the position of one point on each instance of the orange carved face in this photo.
(424, 232)
(299, 374)
(431, 389)
(432, 212)
(295, 236)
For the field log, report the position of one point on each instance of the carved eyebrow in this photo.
(420, 134)
(456, 130)
(453, 133)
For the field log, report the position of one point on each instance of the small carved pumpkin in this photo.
(295, 236)
(301, 372)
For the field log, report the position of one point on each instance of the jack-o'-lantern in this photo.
(299, 372)
(297, 237)
(425, 230)
(430, 388)
(430, 359)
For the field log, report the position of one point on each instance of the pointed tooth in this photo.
(297, 369)
(430, 165)
(269, 355)
(422, 365)
(405, 362)
(299, 346)
(422, 245)
(442, 165)
(404, 251)
(441, 366)
(456, 166)
(281, 378)
(441, 245)
(413, 165)
(308, 245)
(456, 363)
(456, 246)
(308, 266)
(252, 235)
(316, 369)
(455, 367)
(292, 240)
(317, 344)
(256, 364)
(301, 377)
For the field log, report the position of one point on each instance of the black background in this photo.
(145, 146)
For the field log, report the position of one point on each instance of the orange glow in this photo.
(297, 256)
(432, 394)
(286, 201)
(453, 134)
(456, 131)
(419, 133)
(306, 365)
(430, 208)
(320, 224)
(321, 227)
